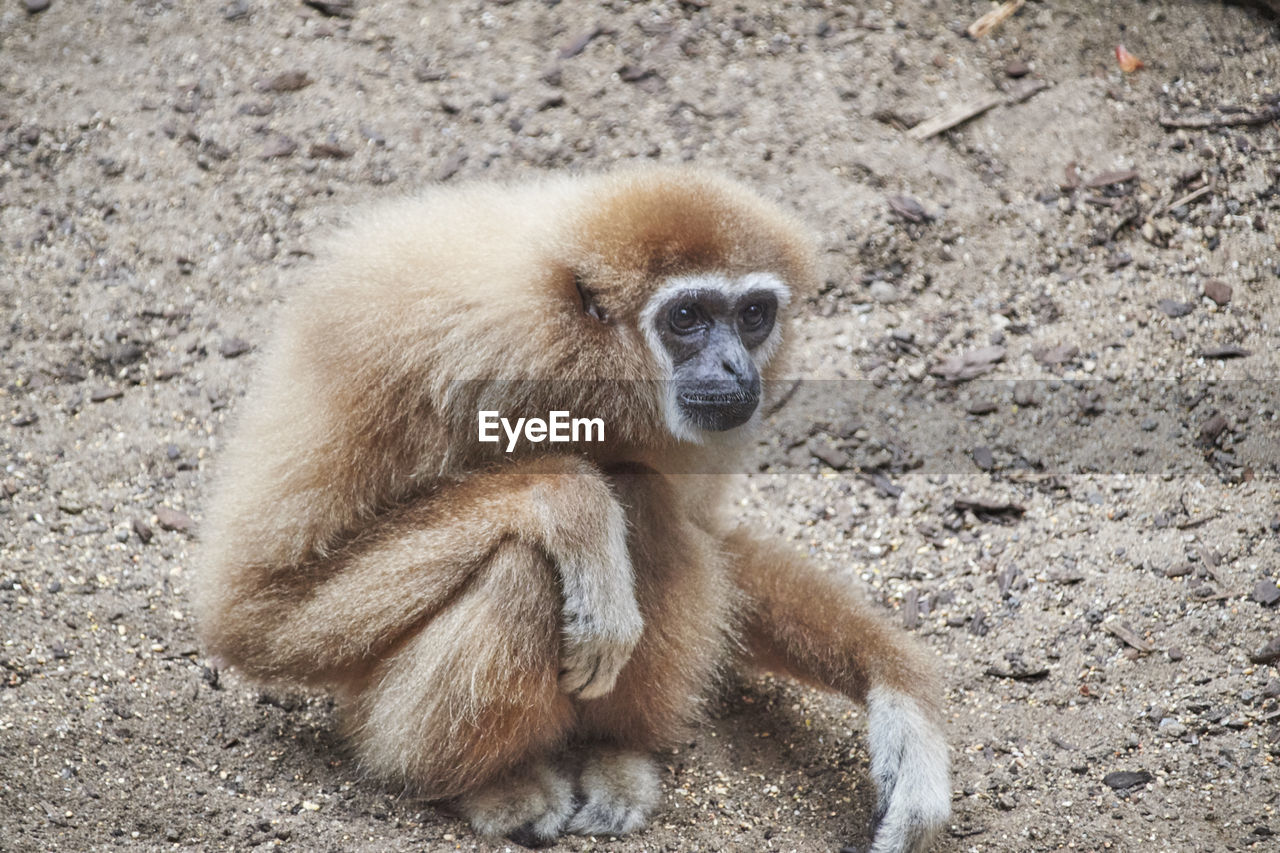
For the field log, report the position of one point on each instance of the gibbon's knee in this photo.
(475, 690)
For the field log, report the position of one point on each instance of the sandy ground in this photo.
(167, 167)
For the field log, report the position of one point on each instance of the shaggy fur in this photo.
(479, 612)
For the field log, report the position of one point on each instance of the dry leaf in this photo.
(1128, 62)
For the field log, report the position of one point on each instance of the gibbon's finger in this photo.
(591, 665)
(598, 639)
(575, 680)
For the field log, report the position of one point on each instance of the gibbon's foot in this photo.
(909, 764)
(598, 642)
(529, 805)
(620, 789)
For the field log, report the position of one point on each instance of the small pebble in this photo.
(172, 519)
(1122, 780)
(278, 146)
(883, 291)
(1269, 653)
(142, 530)
(1218, 290)
(1024, 394)
(983, 458)
(1174, 308)
(234, 347)
(1017, 68)
(1266, 593)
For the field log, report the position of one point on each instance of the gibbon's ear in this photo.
(589, 305)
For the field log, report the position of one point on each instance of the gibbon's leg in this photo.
(802, 623)
(470, 706)
(328, 621)
(620, 788)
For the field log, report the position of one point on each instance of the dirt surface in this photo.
(166, 168)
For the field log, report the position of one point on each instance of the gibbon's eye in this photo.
(753, 315)
(686, 317)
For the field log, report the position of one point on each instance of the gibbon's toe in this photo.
(527, 836)
(530, 806)
(621, 790)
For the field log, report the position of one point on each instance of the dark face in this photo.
(711, 337)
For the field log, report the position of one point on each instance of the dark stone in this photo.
(234, 347)
(1173, 308)
(1266, 593)
(1123, 780)
(1270, 653)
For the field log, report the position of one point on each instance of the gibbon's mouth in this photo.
(718, 411)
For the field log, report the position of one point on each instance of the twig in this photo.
(1211, 563)
(1190, 197)
(958, 114)
(1018, 94)
(1221, 596)
(784, 399)
(961, 113)
(1129, 636)
(1192, 523)
(1203, 120)
(994, 18)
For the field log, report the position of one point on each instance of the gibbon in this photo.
(516, 629)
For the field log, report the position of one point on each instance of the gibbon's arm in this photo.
(808, 625)
(326, 620)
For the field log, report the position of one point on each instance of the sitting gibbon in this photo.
(517, 626)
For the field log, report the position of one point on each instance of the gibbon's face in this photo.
(700, 270)
(713, 334)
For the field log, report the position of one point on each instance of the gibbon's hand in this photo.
(598, 641)
(602, 622)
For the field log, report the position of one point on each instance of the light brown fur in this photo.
(361, 540)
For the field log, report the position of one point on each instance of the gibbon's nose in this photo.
(741, 371)
(736, 366)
